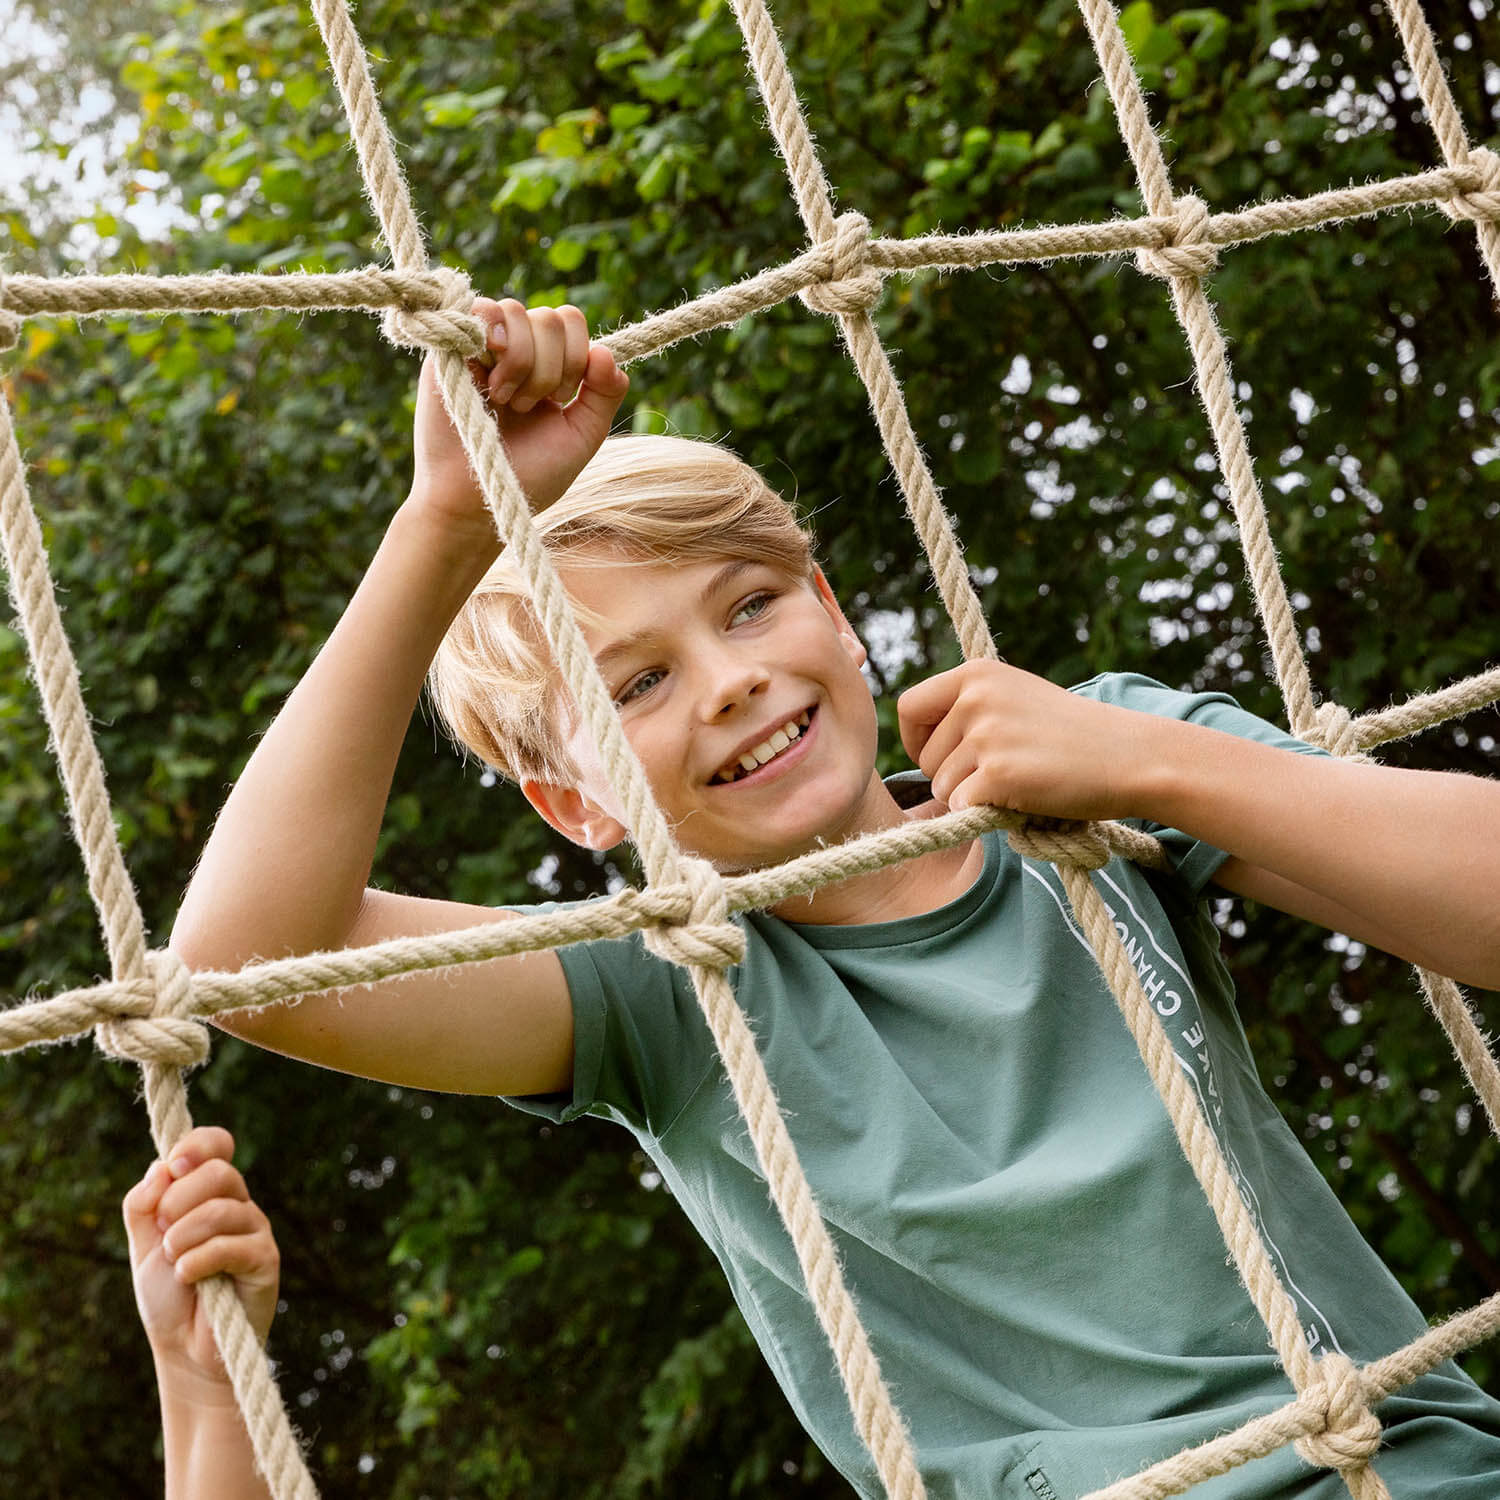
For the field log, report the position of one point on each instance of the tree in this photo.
(458, 1320)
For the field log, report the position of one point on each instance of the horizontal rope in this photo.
(367, 289)
(375, 288)
(1425, 712)
(75, 1012)
(1303, 1417)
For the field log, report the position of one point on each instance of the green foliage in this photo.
(478, 1304)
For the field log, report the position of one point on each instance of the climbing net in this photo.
(150, 1010)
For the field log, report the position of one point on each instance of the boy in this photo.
(1042, 1282)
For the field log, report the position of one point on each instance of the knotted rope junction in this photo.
(150, 1009)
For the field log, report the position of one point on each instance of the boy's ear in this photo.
(852, 642)
(574, 815)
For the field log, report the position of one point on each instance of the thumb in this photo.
(139, 1209)
(592, 410)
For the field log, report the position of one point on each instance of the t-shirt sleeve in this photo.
(1193, 860)
(640, 1044)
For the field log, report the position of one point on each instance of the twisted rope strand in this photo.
(876, 1418)
(379, 168)
(368, 289)
(1416, 714)
(82, 773)
(1199, 1144)
(75, 1012)
(809, 185)
(56, 672)
(575, 663)
(1211, 363)
(1304, 1417)
(1447, 1003)
(379, 288)
(1447, 126)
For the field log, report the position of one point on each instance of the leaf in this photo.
(1136, 23)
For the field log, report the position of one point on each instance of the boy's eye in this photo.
(638, 686)
(749, 608)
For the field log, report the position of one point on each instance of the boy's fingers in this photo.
(921, 708)
(214, 1179)
(941, 746)
(218, 1218)
(251, 1257)
(600, 394)
(510, 341)
(575, 332)
(204, 1143)
(549, 346)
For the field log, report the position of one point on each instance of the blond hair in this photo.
(493, 683)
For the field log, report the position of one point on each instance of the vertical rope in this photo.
(82, 773)
(379, 166)
(1447, 125)
(56, 671)
(875, 1416)
(1447, 1003)
(1199, 1144)
(815, 202)
(1211, 360)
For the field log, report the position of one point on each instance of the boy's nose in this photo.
(732, 683)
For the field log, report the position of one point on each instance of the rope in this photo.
(150, 1010)
(377, 288)
(850, 296)
(167, 1043)
(1483, 205)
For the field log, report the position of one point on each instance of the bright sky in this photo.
(81, 178)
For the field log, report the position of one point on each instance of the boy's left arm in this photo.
(1407, 861)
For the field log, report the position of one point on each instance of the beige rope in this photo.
(850, 296)
(76, 1012)
(275, 1444)
(1210, 358)
(377, 288)
(1484, 205)
(370, 289)
(148, 1010)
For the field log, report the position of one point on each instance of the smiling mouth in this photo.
(764, 753)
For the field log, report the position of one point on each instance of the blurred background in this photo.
(478, 1304)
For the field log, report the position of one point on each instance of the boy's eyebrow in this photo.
(628, 645)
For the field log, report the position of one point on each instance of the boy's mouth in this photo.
(765, 752)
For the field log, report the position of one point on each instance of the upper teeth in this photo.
(768, 748)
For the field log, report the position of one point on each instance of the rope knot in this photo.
(1351, 1432)
(852, 284)
(435, 314)
(694, 916)
(1484, 201)
(1333, 730)
(1189, 252)
(169, 1035)
(1061, 841)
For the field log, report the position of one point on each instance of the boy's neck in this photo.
(907, 889)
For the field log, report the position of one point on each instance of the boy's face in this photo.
(715, 664)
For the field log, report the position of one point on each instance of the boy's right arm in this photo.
(286, 868)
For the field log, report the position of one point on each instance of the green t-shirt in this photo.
(1041, 1279)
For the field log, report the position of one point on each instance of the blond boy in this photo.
(1043, 1284)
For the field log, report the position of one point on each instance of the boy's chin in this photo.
(817, 833)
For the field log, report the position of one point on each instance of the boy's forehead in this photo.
(621, 598)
